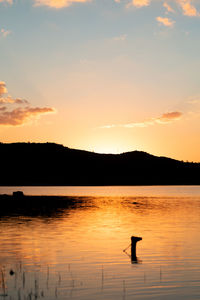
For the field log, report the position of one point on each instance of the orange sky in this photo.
(106, 77)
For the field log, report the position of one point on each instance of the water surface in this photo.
(77, 253)
(114, 191)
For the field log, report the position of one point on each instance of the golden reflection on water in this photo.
(85, 246)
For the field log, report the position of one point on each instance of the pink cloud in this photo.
(14, 112)
(12, 101)
(19, 116)
(6, 1)
(169, 117)
(141, 3)
(188, 8)
(163, 119)
(3, 89)
(168, 7)
(58, 3)
(165, 21)
(4, 33)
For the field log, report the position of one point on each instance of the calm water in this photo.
(78, 253)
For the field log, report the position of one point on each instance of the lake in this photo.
(77, 253)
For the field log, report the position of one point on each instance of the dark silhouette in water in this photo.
(133, 256)
(19, 204)
(11, 272)
(134, 240)
(53, 164)
(18, 194)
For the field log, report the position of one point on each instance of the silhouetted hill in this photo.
(53, 164)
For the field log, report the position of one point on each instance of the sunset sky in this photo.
(102, 75)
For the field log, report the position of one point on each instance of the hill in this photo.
(54, 164)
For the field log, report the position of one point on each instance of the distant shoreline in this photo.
(20, 204)
(49, 164)
(101, 185)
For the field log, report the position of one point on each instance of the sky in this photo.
(108, 76)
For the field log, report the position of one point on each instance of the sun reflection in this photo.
(86, 244)
(102, 224)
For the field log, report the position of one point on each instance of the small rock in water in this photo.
(12, 272)
(18, 194)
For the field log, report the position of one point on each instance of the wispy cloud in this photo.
(3, 89)
(168, 7)
(6, 1)
(165, 21)
(4, 33)
(58, 3)
(121, 37)
(19, 116)
(188, 8)
(6, 100)
(169, 117)
(140, 3)
(194, 101)
(15, 112)
(166, 118)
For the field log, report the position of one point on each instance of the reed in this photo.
(3, 283)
